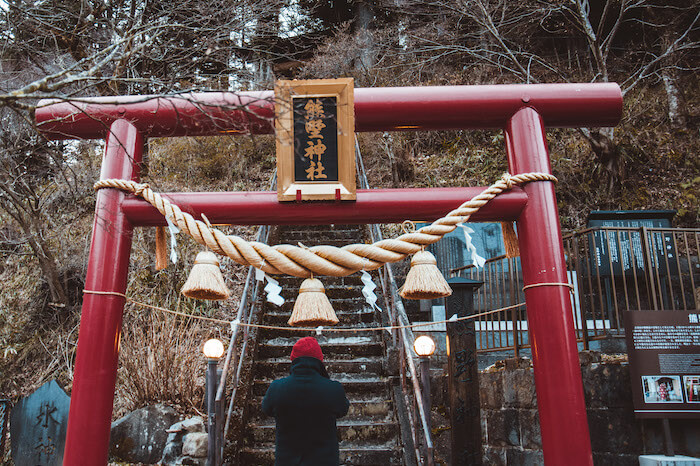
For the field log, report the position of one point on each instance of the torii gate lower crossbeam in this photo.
(565, 436)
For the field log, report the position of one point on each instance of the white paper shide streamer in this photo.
(368, 290)
(476, 258)
(173, 229)
(272, 288)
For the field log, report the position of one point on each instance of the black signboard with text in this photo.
(315, 139)
(664, 356)
(614, 252)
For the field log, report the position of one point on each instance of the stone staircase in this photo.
(369, 434)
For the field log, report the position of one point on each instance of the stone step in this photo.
(320, 228)
(348, 431)
(308, 242)
(368, 384)
(340, 305)
(276, 367)
(364, 455)
(318, 237)
(288, 282)
(369, 408)
(348, 318)
(346, 328)
(333, 347)
(332, 291)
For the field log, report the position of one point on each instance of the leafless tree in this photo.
(69, 50)
(628, 41)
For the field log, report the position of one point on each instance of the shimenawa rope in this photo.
(319, 260)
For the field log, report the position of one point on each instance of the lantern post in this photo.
(213, 350)
(463, 374)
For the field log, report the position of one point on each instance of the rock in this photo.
(192, 461)
(140, 436)
(518, 363)
(173, 448)
(586, 358)
(193, 424)
(195, 444)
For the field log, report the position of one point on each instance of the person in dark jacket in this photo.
(305, 406)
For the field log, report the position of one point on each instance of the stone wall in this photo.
(510, 424)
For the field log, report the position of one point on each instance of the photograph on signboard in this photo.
(691, 383)
(662, 389)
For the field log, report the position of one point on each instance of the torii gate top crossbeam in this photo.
(376, 109)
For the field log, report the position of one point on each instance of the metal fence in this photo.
(612, 270)
(4, 416)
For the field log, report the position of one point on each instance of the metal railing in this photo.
(4, 417)
(235, 358)
(611, 270)
(402, 339)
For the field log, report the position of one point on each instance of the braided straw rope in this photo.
(319, 260)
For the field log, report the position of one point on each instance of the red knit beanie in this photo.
(307, 346)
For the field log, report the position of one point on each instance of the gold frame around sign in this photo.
(287, 187)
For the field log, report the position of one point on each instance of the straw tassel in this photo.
(424, 279)
(312, 307)
(510, 240)
(205, 280)
(161, 248)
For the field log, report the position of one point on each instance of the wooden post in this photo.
(463, 374)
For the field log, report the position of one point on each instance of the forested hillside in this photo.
(74, 49)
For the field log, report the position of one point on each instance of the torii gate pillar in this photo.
(560, 402)
(90, 415)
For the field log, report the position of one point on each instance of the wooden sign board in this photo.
(315, 129)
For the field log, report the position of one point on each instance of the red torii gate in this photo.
(522, 111)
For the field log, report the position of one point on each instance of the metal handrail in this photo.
(397, 315)
(250, 285)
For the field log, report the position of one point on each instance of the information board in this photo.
(617, 252)
(664, 356)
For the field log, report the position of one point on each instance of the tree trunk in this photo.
(389, 146)
(363, 25)
(266, 35)
(49, 270)
(675, 107)
(608, 155)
